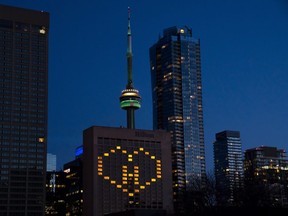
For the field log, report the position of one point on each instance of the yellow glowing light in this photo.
(41, 140)
(133, 177)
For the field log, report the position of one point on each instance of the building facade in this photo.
(266, 175)
(177, 105)
(74, 184)
(23, 110)
(126, 169)
(51, 162)
(228, 162)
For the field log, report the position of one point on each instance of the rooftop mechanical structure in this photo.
(130, 99)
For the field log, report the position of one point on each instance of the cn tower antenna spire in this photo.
(129, 51)
(130, 99)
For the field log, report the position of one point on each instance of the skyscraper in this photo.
(228, 162)
(23, 110)
(51, 162)
(177, 104)
(266, 176)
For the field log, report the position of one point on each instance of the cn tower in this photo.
(130, 99)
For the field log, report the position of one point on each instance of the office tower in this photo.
(228, 164)
(56, 187)
(177, 105)
(266, 176)
(130, 99)
(51, 162)
(23, 110)
(126, 169)
(74, 184)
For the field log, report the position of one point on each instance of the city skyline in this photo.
(244, 86)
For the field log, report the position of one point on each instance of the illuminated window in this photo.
(119, 186)
(142, 187)
(124, 170)
(141, 149)
(146, 153)
(113, 182)
(124, 182)
(106, 154)
(118, 147)
(130, 175)
(135, 152)
(136, 175)
(99, 173)
(112, 150)
(136, 191)
(136, 167)
(130, 159)
(130, 156)
(124, 178)
(152, 157)
(158, 176)
(125, 190)
(41, 140)
(124, 151)
(106, 177)
(153, 180)
(100, 169)
(100, 165)
(148, 183)
(99, 157)
(136, 183)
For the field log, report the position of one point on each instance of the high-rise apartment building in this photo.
(228, 162)
(23, 110)
(177, 105)
(126, 169)
(266, 176)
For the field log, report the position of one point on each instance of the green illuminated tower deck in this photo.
(130, 99)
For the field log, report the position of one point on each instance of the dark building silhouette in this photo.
(23, 110)
(177, 106)
(74, 184)
(266, 176)
(56, 189)
(228, 162)
(126, 169)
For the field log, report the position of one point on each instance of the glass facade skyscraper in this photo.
(23, 110)
(228, 162)
(177, 104)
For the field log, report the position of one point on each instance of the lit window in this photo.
(41, 139)
(153, 180)
(106, 177)
(119, 186)
(125, 190)
(142, 187)
(113, 182)
(141, 149)
(118, 147)
(112, 150)
(152, 157)
(106, 154)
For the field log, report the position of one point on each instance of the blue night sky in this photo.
(244, 54)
